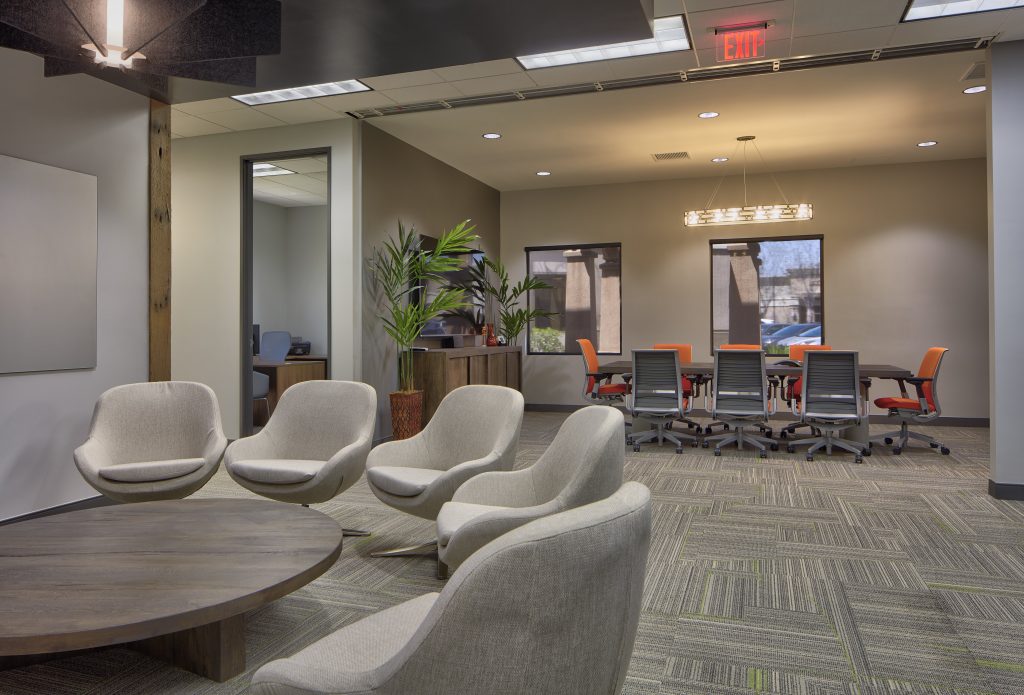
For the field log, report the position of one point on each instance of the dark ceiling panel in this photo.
(329, 40)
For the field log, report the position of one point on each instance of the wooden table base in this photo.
(215, 651)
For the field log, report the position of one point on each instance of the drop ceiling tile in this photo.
(863, 40)
(427, 92)
(184, 125)
(597, 71)
(489, 68)
(299, 111)
(302, 183)
(702, 24)
(831, 16)
(355, 101)
(705, 5)
(494, 85)
(200, 108)
(243, 119)
(302, 165)
(403, 79)
(653, 64)
(667, 8)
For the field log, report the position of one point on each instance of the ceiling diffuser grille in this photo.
(693, 75)
(663, 156)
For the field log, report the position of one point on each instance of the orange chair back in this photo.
(685, 350)
(796, 352)
(739, 346)
(590, 360)
(930, 369)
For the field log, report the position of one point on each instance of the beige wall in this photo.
(400, 182)
(905, 264)
(206, 260)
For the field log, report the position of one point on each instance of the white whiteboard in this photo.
(47, 268)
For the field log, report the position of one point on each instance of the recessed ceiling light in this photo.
(669, 35)
(927, 143)
(930, 9)
(719, 160)
(492, 136)
(543, 173)
(308, 92)
(977, 89)
(268, 169)
(708, 114)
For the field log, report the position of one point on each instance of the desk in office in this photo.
(294, 369)
(707, 370)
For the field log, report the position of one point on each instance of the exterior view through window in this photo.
(584, 299)
(767, 291)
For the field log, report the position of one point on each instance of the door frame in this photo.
(246, 251)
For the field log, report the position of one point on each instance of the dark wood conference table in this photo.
(706, 370)
(171, 579)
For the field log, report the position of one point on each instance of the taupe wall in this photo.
(905, 264)
(400, 182)
(83, 124)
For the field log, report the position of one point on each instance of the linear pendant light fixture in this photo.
(748, 214)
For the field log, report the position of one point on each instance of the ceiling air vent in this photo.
(975, 72)
(665, 156)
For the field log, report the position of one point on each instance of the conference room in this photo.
(629, 346)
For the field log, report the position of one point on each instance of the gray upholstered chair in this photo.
(582, 465)
(314, 446)
(475, 429)
(155, 441)
(548, 609)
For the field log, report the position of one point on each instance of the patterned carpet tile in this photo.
(778, 575)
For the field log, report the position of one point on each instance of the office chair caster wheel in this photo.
(783, 434)
(933, 445)
(888, 440)
(725, 427)
(669, 427)
(945, 451)
(866, 452)
(769, 433)
(695, 444)
(718, 452)
(858, 459)
(790, 449)
(762, 454)
(775, 447)
(636, 447)
(897, 450)
(679, 449)
(705, 445)
(629, 440)
(810, 457)
(708, 430)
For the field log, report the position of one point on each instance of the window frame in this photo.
(567, 247)
(820, 238)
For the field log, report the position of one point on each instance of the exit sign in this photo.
(739, 44)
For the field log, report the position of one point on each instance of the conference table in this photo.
(704, 371)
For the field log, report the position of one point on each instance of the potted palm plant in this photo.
(400, 269)
(513, 318)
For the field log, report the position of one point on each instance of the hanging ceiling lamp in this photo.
(140, 43)
(748, 214)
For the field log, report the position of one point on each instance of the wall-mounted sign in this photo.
(739, 43)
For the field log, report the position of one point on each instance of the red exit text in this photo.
(742, 44)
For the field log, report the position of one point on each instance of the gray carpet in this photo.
(899, 575)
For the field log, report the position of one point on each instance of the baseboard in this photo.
(1006, 491)
(781, 417)
(87, 503)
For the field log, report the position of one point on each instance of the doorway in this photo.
(286, 277)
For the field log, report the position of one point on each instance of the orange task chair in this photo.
(685, 351)
(795, 386)
(597, 385)
(920, 410)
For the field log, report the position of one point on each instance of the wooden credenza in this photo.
(438, 372)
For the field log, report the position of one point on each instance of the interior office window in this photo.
(767, 291)
(585, 298)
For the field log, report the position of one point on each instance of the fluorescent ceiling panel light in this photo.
(931, 9)
(267, 169)
(308, 92)
(669, 35)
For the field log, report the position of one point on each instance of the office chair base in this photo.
(660, 433)
(422, 550)
(739, 436)
(827, 442)
(901, 437)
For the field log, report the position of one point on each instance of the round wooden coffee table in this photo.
(172, 579)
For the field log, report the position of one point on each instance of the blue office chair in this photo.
(275, 345)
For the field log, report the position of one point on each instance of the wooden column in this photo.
(159, 241)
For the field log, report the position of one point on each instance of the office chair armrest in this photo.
(627, 377)
(919, 382)
(789, 363)
(601, 375)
